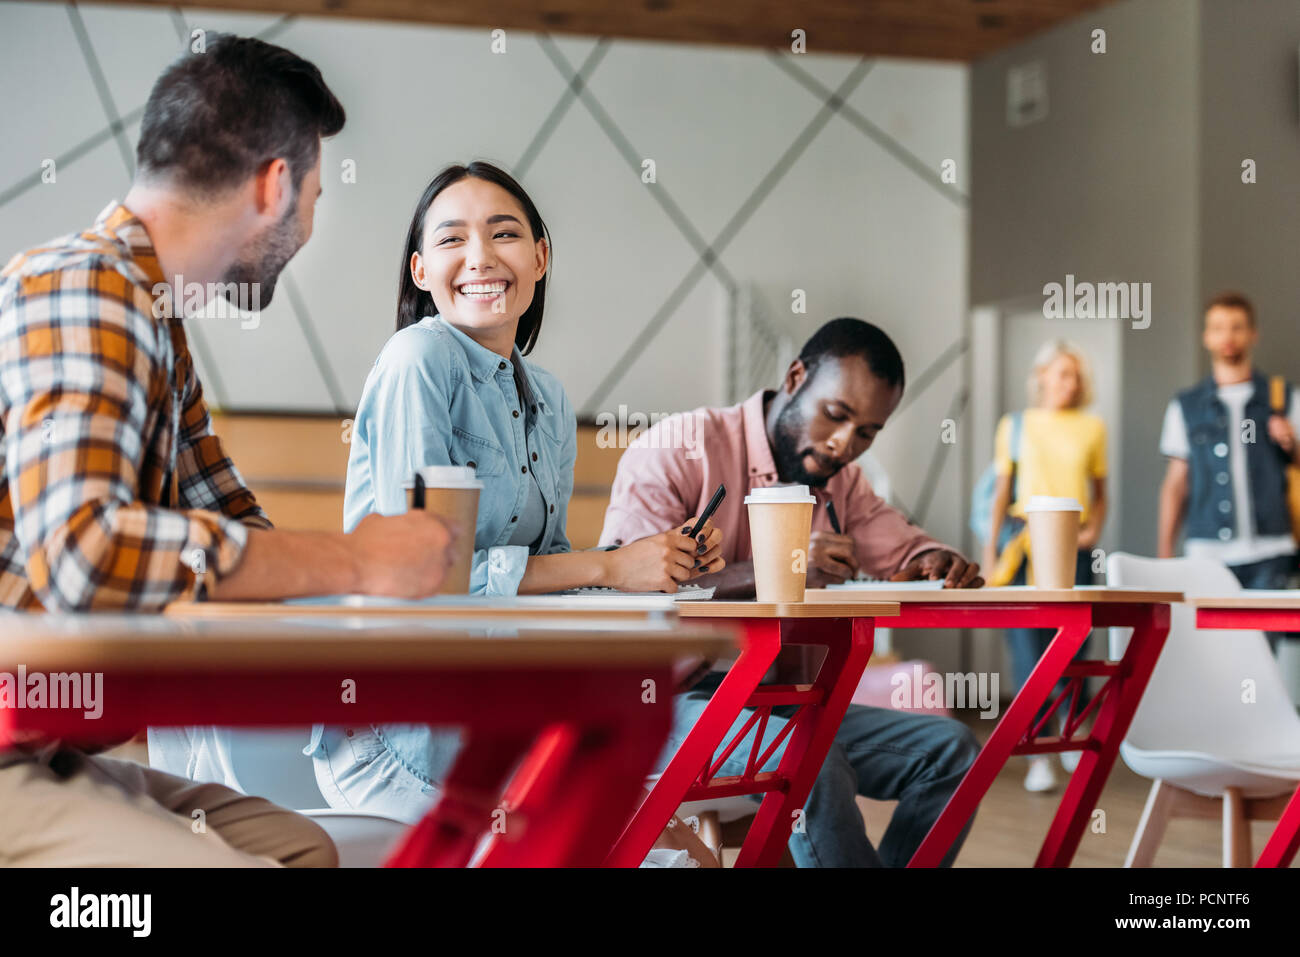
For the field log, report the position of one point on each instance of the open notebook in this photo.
(870, 584)
(683, 593)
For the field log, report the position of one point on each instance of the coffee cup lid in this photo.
(779, 494)
(447, 476)
(1051, 503)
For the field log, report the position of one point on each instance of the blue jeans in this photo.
(1269, 573)
(355, 771)
(916, 760)
(1027, 645)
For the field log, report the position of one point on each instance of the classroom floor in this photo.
(1012, 822)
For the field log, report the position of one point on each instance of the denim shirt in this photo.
(436, 397)
(1210, 500)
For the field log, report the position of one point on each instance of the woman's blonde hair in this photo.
(1048, 353)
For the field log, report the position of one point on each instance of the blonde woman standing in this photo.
(1062, 453)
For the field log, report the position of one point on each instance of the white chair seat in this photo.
(363, 840)
(1211, 775)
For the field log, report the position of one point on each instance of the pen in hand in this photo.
(835, 521)
(835, 526)
(417, 500)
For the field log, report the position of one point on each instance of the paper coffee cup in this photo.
(780, 523)
(451, 492)
(1053, 539)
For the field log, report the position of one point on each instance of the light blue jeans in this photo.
(887, 755)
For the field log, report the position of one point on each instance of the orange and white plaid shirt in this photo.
(115, 492)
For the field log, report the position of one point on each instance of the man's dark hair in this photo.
(1230, 299)
(215, 118)
(853, 337)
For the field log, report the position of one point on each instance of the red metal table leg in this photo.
(1075, 623)
(448, 834)
(1150, 627)
(571, 790)
(1285, 840)
(759, 648)
(572, 819)
(849, 643)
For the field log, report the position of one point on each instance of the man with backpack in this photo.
(1230, 441)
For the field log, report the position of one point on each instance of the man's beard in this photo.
(263, 261)
(787, 454)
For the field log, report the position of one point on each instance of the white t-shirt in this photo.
(1245, 546)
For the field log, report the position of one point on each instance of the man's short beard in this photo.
(263, 263)
(786, 452)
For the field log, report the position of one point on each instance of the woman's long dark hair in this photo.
(414, 303)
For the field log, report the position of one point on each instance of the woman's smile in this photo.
(483, 292)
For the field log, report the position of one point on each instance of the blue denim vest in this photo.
(437, 397)
(1211, 506)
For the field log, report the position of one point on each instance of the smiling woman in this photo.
(452, 387)
(521, 253)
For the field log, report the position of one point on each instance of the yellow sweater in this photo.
(1061, 452)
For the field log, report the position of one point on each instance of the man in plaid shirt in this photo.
(116, 494)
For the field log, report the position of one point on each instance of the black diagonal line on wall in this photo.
(886, 142)
(113, 128)
(178, 22)
(314, 344)
(930, 374)
(101, 87)
(935, 469)
(634, 159)
(544, 132)
(638, 345)
(71, 156)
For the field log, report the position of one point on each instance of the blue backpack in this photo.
(981, 499)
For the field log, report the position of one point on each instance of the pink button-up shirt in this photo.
(671, 470)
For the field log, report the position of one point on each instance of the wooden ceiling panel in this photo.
(938, 29)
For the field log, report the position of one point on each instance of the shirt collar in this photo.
(484, 364)
(121, 226)
(758, 451)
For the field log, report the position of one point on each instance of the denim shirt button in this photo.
(472, 464)
(1225, 534)
(501, 365)
(515, 413)
(552, 509)
(1225, 507)
(1222, 478)
(1221, 450)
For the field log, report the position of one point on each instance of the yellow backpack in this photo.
(1277, 399)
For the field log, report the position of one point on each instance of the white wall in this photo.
(849, 208)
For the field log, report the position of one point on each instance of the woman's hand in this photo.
(1088, 537)
(662, 562)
